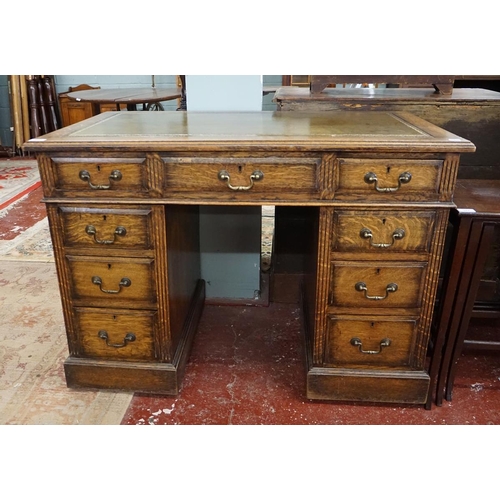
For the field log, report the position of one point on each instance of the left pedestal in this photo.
(129, 274)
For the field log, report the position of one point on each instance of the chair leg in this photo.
(464, 278)
(447, 322)
(482, 251)
(452, 272)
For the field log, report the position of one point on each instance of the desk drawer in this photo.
(374, 342)
(124, 335)
(267, 178)
(388, 179)
(105, 227)
(383, 231)
(103, 177)
(110, 282)
(378, 285)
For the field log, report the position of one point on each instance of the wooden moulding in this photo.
(163, 378)
(376, 386)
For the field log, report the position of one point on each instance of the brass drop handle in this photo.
(129, 337)
(92, 231)
(356, 342)
(115, 175)
(366, 233)
(403, 178)
(224, 176)
(360, 286)
(124, 282)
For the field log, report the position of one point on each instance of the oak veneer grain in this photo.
(319, 169)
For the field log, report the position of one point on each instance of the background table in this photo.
(128, 96)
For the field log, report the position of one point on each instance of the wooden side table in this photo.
(125, 96)
(475, 220)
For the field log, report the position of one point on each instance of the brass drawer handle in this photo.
(403, 178)
(223, 175)
(361, 287)
(366, 233)
(124, 282)
(129, 337)
(92, 231)
(356, 342)
(115, 175)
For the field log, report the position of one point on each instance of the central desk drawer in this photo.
(119, 282)
(380, 284)
(388, 179)
(125, 335)
(383, 231)
(254, 177)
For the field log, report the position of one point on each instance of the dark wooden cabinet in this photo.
(73, 111)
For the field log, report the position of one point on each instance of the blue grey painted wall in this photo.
(230, 237)
(63, 82)
(5, 132)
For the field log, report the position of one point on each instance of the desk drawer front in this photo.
(380, 285)
(106, 228)
(380, 179)
(383, 231)
(375, 342)
(124, 335)
(115, 281)
(99, 177)
(242, 177)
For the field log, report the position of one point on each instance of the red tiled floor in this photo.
(247, 367)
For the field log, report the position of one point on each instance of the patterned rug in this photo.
(267, 237)
(32, 350)
(33, 244)
(17, 178)
(32, 335)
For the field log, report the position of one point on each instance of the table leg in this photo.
(460, 235)
(465, 255)
(481, 251)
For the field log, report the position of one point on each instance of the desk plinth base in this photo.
(405, 387)
(160, 378)
(122, 376)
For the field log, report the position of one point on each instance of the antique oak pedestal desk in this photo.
(123, 192)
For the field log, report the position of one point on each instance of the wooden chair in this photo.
(474, 248)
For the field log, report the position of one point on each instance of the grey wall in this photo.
(63, 82)
(5, 133)
(229, 236)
